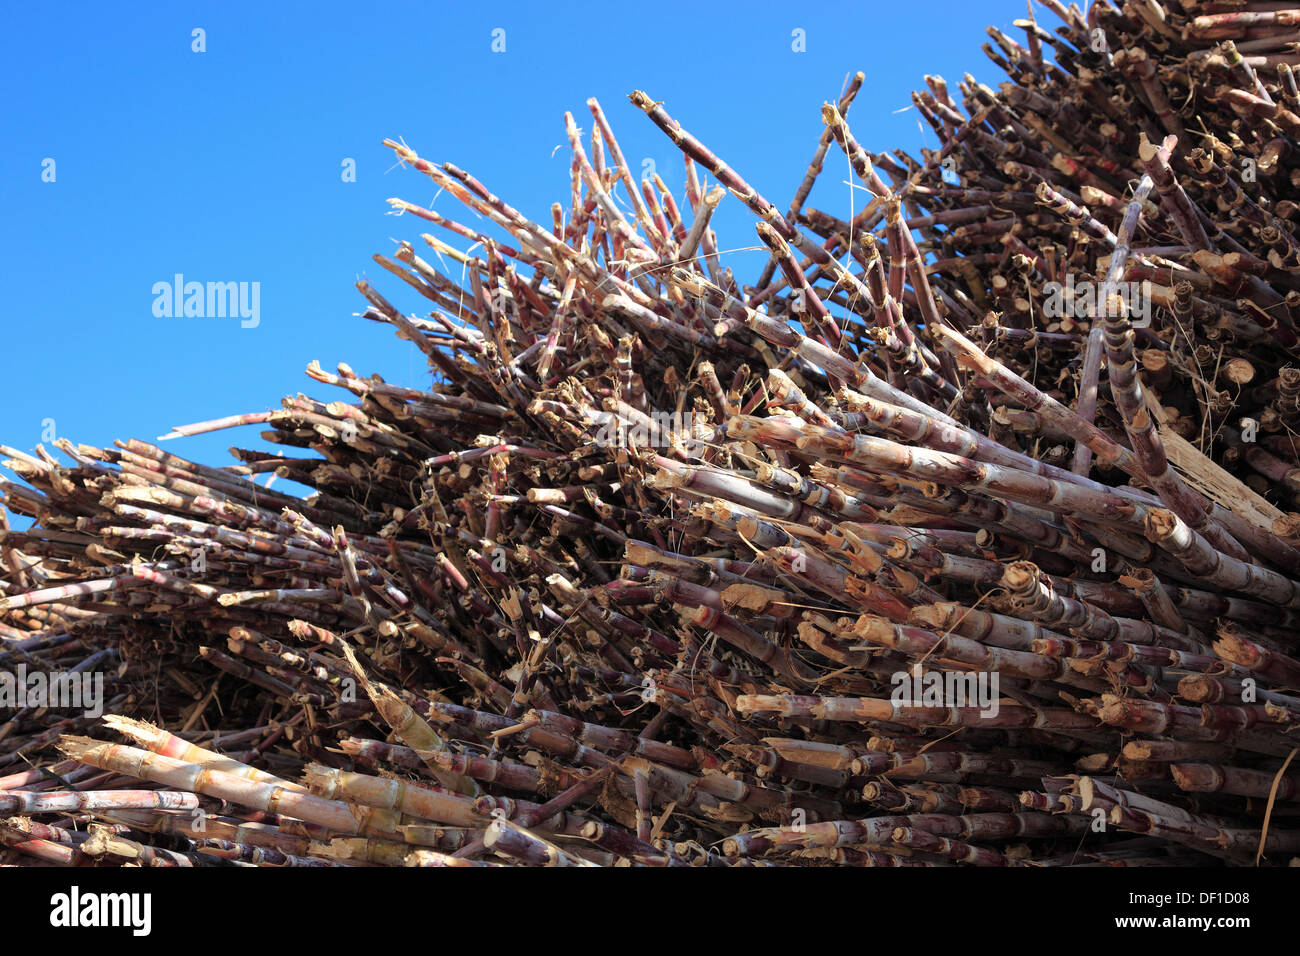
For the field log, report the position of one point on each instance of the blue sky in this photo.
(225, 165)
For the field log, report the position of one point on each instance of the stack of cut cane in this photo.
(966, 534)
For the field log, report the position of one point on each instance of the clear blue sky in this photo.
(225, 165)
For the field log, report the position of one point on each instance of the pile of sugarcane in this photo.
(900, 556)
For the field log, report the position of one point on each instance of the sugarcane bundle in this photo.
(965, 534)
